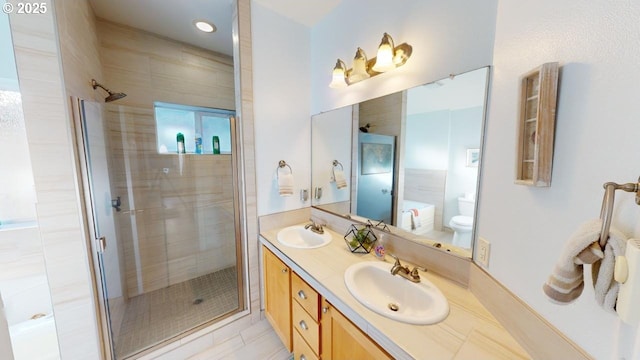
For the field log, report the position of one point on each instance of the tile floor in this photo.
(164, 313)
(258, 341)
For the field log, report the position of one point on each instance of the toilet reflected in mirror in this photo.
(462, 224)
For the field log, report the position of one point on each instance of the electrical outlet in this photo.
(484, 248)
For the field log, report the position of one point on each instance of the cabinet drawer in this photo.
(301, 350)
(307, 327)
(305, 295)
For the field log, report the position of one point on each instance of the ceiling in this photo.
(174, 19)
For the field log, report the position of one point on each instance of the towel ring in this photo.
(606, 211)
(333, 169)
(281, 165)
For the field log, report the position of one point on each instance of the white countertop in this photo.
(468, 332)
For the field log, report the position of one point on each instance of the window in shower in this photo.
(192, 122)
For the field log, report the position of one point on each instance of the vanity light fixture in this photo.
(359, 71)
(388, 58)
(204, 26)
(339, 79)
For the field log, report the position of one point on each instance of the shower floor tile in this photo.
(164, 313)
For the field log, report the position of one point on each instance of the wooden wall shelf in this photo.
(537, 125)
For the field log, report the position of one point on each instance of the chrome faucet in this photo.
(316, 228)
(411, 275)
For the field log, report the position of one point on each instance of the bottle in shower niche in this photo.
(198, 143)
(180, 140)
(216, 144)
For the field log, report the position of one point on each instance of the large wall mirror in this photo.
(410, 159)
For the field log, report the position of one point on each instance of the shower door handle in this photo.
(102, 243)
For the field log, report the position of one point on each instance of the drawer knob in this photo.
(325, 309)
(285, 270)
(302, 357)
(303, 325)
(302, 295)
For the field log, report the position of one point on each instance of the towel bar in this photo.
(607, 205)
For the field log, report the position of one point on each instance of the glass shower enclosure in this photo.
(166, 223)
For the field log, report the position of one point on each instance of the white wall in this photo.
(598, 46)
(447, 37)
(331, 140)
(281, 50)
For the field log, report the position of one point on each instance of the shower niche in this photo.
(192, 129)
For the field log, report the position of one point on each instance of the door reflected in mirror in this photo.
(412, 157)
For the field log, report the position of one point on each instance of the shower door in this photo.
(166, 226)
(376, 159)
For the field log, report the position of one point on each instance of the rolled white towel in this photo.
(566, 281)
(606, 288)
(341, 181)
(285, 184)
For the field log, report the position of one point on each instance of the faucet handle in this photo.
(415, 273)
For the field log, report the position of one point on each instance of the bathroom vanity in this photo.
(315, 315)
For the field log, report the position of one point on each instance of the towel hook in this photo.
(606, 211)
(336, 163)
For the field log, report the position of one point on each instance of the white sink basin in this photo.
(298, 237)
(372, 284)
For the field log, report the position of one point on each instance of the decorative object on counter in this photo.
(285, 180)
(338, 175)
(379, 249)
(388, 58)
(180, 141)
(360, 239)
(215, 140)
(379, 225)
(538, 97)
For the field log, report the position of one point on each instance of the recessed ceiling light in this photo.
(204, 26)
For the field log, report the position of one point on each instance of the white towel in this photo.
(415, 219)
(606, 288)
(566, 282)
(341, 181)
(285, 184)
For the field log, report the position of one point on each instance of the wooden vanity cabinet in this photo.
(308, 324)
(341, 339)
(277, 295)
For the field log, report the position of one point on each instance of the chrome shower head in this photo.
(112, 96)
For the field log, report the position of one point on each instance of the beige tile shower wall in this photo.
(151, 68)
(58, 204)
(183, 218)
(426, 186)
(181, 206)
(384, 114)
(79, 48)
